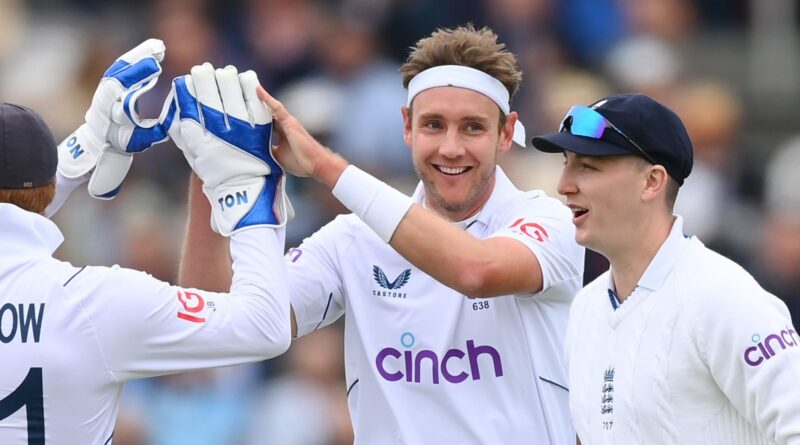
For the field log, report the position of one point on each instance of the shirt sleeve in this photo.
(545, 226)
(64, 187)
(146, 327)
(746, 337)
(317, 289)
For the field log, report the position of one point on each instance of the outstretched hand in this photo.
(298, 152)
(101, 150)
(223, 130)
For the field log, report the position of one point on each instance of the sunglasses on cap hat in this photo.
(584, 121)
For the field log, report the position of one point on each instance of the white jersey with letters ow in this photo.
(70, 337)
(425, 364)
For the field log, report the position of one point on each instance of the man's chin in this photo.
(585, 240)
(453, 206)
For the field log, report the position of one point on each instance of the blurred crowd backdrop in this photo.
(729, 68)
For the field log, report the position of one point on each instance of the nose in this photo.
(452, 146)
(566, 183)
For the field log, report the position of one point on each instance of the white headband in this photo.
(465, 77)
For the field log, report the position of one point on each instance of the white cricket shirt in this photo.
(425, 364)
(70, 337)
(698, 354)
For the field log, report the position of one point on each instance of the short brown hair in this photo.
(672, 193)
(34, 199)
(464, 46)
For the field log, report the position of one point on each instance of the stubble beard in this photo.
(456, 207)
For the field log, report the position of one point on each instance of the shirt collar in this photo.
(661, 265)
(503, 190)
(24, 233)
(667, 256)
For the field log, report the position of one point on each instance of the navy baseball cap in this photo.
(28, 156)
(622, 125)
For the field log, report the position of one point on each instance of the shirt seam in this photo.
(96, 338)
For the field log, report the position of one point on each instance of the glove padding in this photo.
(103, 146)
(224, 131)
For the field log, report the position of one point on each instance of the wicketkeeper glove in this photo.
(103, 146)
(225, 132)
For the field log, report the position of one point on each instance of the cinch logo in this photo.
(765, 350)
(391, 368)
(383, 281)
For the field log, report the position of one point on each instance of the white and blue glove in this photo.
(101, 149)
(224, 131)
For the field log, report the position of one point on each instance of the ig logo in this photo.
(192, 303)
(530, 229)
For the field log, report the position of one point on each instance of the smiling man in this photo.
(675, 344)
(456, 299)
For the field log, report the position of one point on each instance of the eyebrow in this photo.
(582, 157)
(474, 118)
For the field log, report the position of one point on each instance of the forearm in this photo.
(329, 168)
(167, 329)
(205, 259)
(64, 187)
(445, 252)
(474, 267)
(261, 278)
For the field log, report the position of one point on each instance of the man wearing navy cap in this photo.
(21, 125)
(675, 344)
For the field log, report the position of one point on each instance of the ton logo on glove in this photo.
(224, 130)
(214, 116)
(230, 200)
(74, 147)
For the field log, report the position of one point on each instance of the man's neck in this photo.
(630, 263)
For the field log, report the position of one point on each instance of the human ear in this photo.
(406, 125)
(507, 132)
(656, 179)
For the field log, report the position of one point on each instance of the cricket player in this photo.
(456, 299)
(72, 336)
(675, 344)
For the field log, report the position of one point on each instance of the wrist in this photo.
(64, 187)
(77, 154)
(330, 168)
(379, 205)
